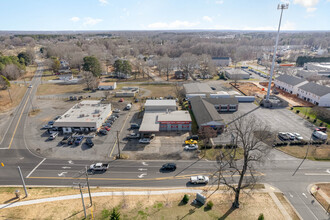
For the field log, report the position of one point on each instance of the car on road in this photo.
(191, 147)
(144, 141)
(30, 86)
(193, 137)
(135, 126)
(99, 167)
(199, 180)
(168, 167)
(190, 141)
(78, 140)
(89, 142)
(116, 110)
(298, 136)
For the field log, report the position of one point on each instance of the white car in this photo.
(191, 147)
(116, 110)
(291, 136)
(298, 136)
(30, 86)
(144, 141)
(199, 179)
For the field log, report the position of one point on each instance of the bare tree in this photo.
(107, 94)
(206, 65)
(90, 80)
(12, 72)
(188, 63)
(206, 133)
(166, 64)
(249, 133)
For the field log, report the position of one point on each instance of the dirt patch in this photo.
(321, 152)
(166, 206)
(287, 206)
(53, 89)
(34, 112)
(325, 188)
(17, 92)
(250, 89)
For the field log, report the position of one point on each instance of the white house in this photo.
(66, 77)
(315, 93)
(288, 83)
(107, 86)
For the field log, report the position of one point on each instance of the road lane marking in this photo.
(66, 167)
(307, 207)
(144, 164)
(328, 171)
(141, 169)
(62, 174)
(291, 195)
(317, 174)
(35, 168)
(19, 119)
(70, 162)
(119, 133)
(142, 175)
(304, 195)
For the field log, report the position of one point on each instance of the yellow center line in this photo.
(119, 134)
(19, 119)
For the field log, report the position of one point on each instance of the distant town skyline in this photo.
(52, 15)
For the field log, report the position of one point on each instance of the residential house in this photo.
(315, 93)
(107, 85)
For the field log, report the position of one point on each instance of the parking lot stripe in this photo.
(35, 168)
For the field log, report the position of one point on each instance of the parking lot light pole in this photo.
(22, 178)
(118, 144)
(281, 7)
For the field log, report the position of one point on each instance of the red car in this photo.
(107, 128)
(121, 100)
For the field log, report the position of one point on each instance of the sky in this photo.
(52, 15)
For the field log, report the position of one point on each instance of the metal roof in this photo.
(222, 101)
(197, 88)
(316, 89)
(291, 80)
(166, 102)
(174, 116)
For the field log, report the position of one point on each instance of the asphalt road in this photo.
(277, 170)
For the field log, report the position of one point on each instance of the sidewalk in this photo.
(318, 192)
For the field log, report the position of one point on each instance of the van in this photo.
(53, 136)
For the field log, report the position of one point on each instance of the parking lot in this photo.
(279, 120)
(163, 146)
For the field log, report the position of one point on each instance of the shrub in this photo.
(297, 111)
(115, 214)
(291, 108)
(261, 217)
(314, 120)
(321, 124)
(308, 117)
(209, 205)
(218, 146)
(185, 199)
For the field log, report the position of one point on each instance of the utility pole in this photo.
(22, 178)
(279, 7)
(118, 144)
(10, 95)
(310, 140)
(89, 191)
(82, 199)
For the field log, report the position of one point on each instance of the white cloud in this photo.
(172, 25)
(91, 21)
(207, 18)
(75, 19)
(220, 2)
(310, 10)
(308, 4)
(104, 2)
(288, 26)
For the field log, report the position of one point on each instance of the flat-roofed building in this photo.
(107, 86)
(160, 105)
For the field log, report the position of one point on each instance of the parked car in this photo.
(52, 136)
(64, 140)
(121, 100)
(191, 147)
(128, 107)
(116, 110)
(323, 129)
(320, 135)
(103, 132)
(30, 86)
(298, 136)
(291, 136)
(57, 117)
(51, 123)
(47, 126)
(199, 180)
(191, 141)
(213, 88)
(283, 136)
(169, 167)
(133, 136)
(144, 141)
(150, 136)
(71, 140)
(135, 126)
(78, 140)
(106, 128)
(136, 100)
(89, 142)
(193, 137)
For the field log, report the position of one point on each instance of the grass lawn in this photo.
(17, 92)
(51, 89)
(325, 187)
(306, 112)
(30, 70)
(314, 153)
(212, 154)
(166, 206)
(156, 90)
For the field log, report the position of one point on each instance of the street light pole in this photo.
(281, 7)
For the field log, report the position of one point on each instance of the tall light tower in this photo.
(279, 7)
